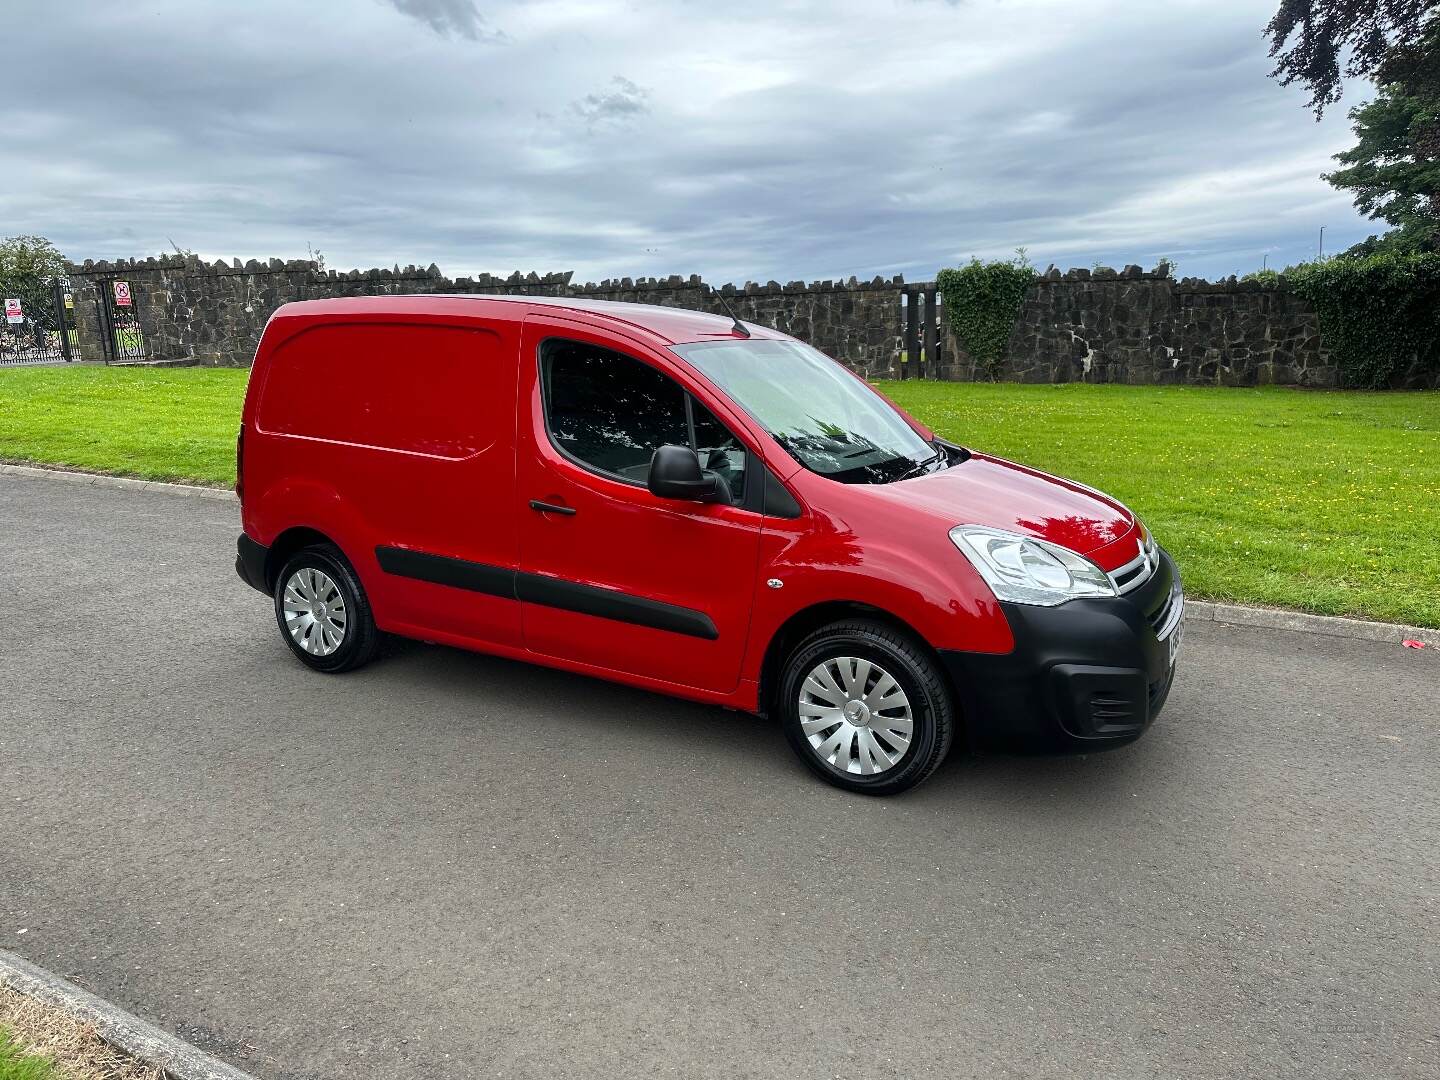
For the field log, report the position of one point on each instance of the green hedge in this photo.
(982, 302)
(1379, 314)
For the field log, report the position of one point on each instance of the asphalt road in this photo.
(449, 865)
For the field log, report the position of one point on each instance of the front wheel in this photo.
(322, 610)
(866, 708)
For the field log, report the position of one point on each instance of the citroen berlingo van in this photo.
(690, 504)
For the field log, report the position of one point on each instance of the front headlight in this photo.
(1029, 571)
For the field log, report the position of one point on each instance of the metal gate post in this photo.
(107, 322)
(60, 312)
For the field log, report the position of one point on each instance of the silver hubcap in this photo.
(855, 715)
(314, 611)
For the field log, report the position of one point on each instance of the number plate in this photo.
(1174, 640)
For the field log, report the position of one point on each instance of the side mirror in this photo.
(675, 474)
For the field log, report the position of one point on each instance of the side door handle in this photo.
(551, 508)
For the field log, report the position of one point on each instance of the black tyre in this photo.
(866, 707)
(322, 611)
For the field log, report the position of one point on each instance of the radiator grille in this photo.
(1138, 570)
(1165, 618)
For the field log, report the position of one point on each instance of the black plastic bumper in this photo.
(250, 563)
(1087, 675)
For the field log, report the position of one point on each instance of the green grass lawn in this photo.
(156, 423)
(16, 1064)
(1324, 501)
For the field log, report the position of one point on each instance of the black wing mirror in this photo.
(675, 474)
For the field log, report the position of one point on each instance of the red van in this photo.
(693, 505)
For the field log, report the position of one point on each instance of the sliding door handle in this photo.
(551, 508)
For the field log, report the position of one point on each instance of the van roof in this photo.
(673, 324)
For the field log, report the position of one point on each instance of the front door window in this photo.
(610, 412)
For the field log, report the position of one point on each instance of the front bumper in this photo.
(1084, 676)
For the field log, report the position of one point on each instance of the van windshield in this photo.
(829, 421)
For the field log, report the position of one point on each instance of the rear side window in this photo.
(436, 390)
(611, 412)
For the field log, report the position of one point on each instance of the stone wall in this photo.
(1130, 326)
(1125, 326)
(202, 313)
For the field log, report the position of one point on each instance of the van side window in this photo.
(611, 412)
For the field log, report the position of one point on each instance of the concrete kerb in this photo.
(194, 491)
(1300, 622)
(143, 1041)
(1198, 610)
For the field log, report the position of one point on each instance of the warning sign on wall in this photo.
(14, 313)
(122, 294)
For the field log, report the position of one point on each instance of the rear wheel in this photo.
(866, 708)
(323, 614)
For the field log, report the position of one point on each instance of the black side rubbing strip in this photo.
(443, 570)
(548, 591)
(609, 604)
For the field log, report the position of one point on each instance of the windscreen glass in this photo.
(831, 422)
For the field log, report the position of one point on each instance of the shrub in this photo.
(1267, 278)
(982, 302)
(1379, 314)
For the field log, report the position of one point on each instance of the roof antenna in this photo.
(739, 327)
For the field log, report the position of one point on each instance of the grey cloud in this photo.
(825, 147)
(622, 102)
(446, 17)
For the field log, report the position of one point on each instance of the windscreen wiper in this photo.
(922, 466)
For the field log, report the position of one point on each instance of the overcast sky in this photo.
(736, 140)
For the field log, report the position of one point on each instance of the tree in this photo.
(1325, 29)
(1394, 168)
(31, 258)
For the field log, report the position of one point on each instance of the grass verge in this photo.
(16, 1063)
(40, 1042)
(1325, 501)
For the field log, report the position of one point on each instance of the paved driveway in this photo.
(450, 865)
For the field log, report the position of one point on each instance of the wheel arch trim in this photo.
(806, 621)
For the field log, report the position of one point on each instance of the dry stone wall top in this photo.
(1101, 325)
